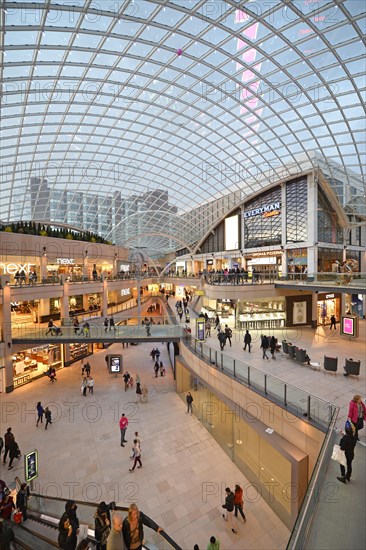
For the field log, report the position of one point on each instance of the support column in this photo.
(5, 324)
(85, 268)
(104, 298)
(312, 225)
(43, 274)
(86, 302)
(64, 304)
(314, 310)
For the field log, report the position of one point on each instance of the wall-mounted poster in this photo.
(299, 313)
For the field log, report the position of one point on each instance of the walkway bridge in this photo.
(123, 333)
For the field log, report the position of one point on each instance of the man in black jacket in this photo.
(347, 444)
(9, 440)
(6, 536)
(229, 507)
(247, 340)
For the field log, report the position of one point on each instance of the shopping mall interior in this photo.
(186, 175)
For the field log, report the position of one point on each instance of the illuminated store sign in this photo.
(124, 267)
(11, 269)
(65, 261)
(125, 291)
(267, 210)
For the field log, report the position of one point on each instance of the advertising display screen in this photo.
(200, 329)
(349, 325)
(115, 364)
(31, 465)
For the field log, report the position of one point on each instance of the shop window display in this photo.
(32, 363)
(262, 314)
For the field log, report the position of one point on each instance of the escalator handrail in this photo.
(172, 543)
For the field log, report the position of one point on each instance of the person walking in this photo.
(272, 347)
(222, 339)
(333, 322)
(9, 440)
(50, 327)
(14, 452)
(229, 507)
(112, 324)
(126, 379)
(238, 502)
(156, 368)
(136, 455)
(217, 321)
(161, 368)
(138, 393)
(48, 417)
(214, 544)
(90, 381)
(264, 346)
(76, 325)
(106, 324)
(228, 334)
(87, 368)
(189, 400)
(347, 444)
(84, 385)
(247, 340)
(357, 413)
(133, 528)
(123, 423)
(40, 413)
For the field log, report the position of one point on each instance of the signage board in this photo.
(12, 268)
(65, 261)
(199, 293)
(115, 364)
(31, 465)
(268, 210)
(125, 291)
(200, 329)
(124, 267)
(349, 326)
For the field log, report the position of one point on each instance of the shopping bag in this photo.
(18, 516)
(338, 455)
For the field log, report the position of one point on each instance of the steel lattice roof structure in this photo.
(120, 116)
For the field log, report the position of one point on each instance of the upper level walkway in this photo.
(24, 334)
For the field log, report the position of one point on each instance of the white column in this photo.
(312, 210)
(5, 324)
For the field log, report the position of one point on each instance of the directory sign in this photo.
(200, 329)
(115, 364)
(31, 465)
(349, 326)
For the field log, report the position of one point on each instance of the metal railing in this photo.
(55, 507)
(303, 522)
(297, 401)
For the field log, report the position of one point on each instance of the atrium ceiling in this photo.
(121, 116)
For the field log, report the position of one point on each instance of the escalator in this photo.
(40, 530)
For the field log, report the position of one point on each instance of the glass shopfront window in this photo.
(34, 362)
(329, 230)
(267, 313)
(264, 463)
(19, 270)
(297, 262)
(263, 220)
(296, 213)
(327, 258)
(328, 304)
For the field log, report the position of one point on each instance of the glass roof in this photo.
(121, 116)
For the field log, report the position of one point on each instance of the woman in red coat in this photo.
(6, 507)
(357, 413)
(238, 502)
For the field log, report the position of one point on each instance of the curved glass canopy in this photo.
(121, 116)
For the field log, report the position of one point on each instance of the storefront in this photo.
(16, 266)
(328, 304)
(266, 264)
(64, 266)
(32, 363)
(267, 313)
(355, 305)
(78, 351)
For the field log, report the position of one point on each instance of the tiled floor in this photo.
(184, 474)
(181, 484)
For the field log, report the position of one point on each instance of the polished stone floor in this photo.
(184, 474)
